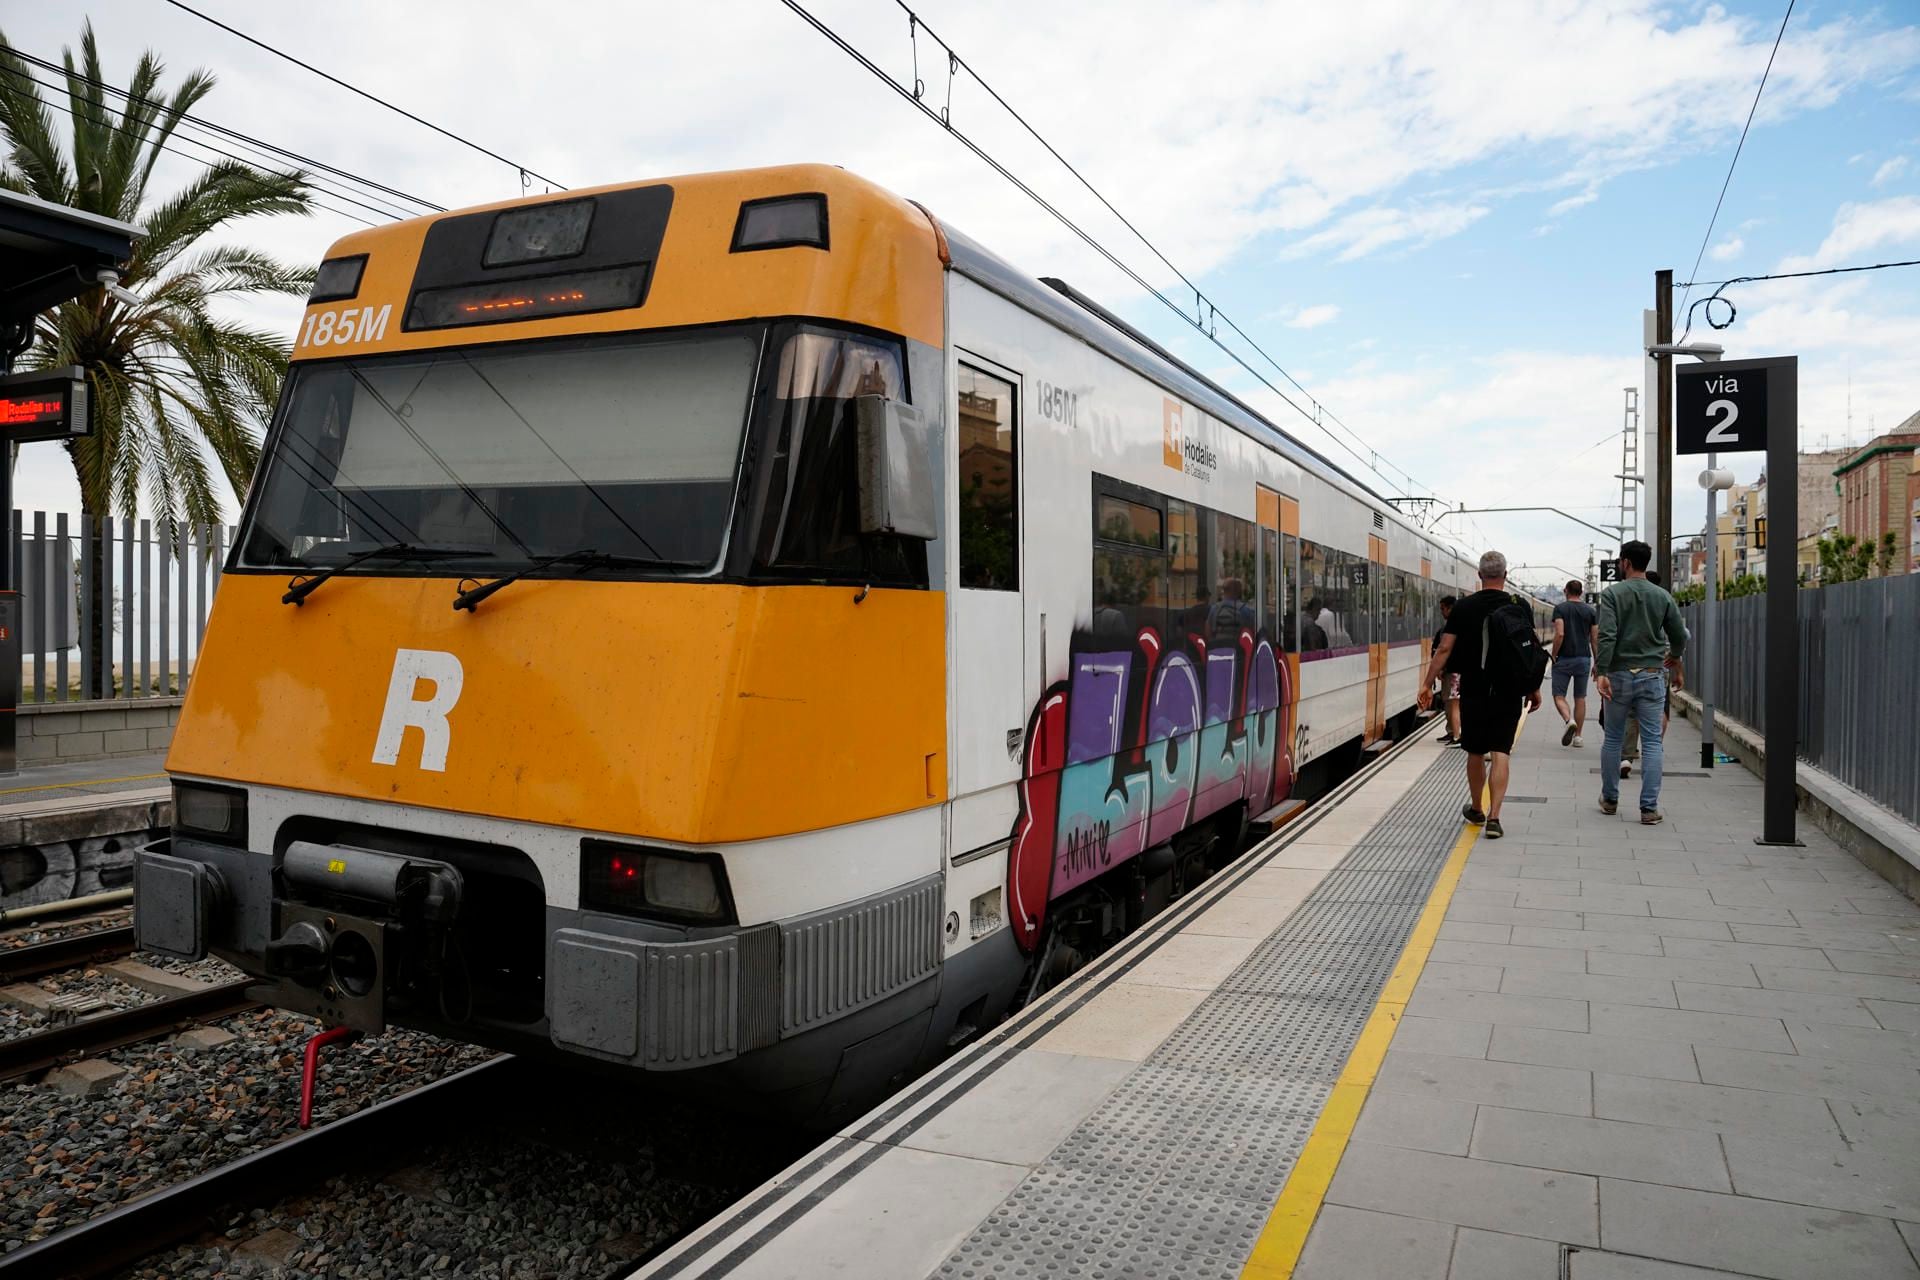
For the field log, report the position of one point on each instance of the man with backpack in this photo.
(1490, 644)
(1641, 635)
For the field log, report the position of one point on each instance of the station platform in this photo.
(1383, 1045)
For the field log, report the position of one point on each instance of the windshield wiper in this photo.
(583, 558)
(300, 588)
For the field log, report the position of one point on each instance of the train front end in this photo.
(578, 680)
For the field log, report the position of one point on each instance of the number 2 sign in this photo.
(1721, 407)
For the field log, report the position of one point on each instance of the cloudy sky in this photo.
(1441, 217)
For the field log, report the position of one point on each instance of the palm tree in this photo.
(171, 382)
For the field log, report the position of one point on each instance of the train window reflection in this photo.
(989, 475)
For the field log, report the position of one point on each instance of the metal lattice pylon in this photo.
(1630, 477)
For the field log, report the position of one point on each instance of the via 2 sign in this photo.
(1721, 407)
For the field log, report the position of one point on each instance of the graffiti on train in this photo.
(1138, 743)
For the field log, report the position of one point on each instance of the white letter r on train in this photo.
(429, 715)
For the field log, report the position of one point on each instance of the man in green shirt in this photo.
(1640, 631)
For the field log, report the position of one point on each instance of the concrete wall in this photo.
(61, 731)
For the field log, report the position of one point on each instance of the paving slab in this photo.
(1837, 1175)
(1508, 1198)
(1361, 1242)
(1611, 1148)
(1493, 1255)
(1423, 1123)
(1750, 1237)
(1509, 1084)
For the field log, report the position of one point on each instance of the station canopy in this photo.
(50, 253)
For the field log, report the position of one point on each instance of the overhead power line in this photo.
(259, 145)
(1737, 148)
(173, 150)
(336, 190)
(913, 95)
(370, 97)
(1801, 275)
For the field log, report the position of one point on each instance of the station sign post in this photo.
(1753, 406)
(50, 404)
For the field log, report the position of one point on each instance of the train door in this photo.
(990, 700)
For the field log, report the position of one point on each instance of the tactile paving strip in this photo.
(1174, 1175)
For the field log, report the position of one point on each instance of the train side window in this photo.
(989, 475)
(1316, 615)
(1289, 635)
(1270, 590)
(1187, 590)
(1230, 609)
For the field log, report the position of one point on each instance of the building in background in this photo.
(1819, 496)
(1876, 490)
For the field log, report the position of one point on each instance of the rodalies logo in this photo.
(1184, 453)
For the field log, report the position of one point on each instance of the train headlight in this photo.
(662, 884)
(212, 813)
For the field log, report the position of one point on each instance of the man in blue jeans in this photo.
(1640, 631)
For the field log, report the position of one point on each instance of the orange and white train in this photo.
(737, 625)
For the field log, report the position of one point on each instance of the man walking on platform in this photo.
(1640, 635)
(1489, 643)
(1575, 634)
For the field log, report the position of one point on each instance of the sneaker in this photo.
(1578, 741)
(1566, 739)
(1472, 815)
(1494, 830)
(1609, 806)
(1651, 817)
(1626, 770)
(1446, 738)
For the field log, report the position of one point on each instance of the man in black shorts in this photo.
(1488, 722)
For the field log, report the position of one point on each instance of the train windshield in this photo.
(627, 445)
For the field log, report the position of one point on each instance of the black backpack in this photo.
(1512, 659)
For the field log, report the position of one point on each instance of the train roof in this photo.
(1067, 308)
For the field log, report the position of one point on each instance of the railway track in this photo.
(17, 964)
(72, 1041)
(96, 1033)
(143, 1227)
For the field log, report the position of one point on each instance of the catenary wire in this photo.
(1800, 275)
(914, 20)
(374, 98)
(171, 149)
(208, 164)
(907, 94)
(1761, 88)
(234, 135)
(1718, 295)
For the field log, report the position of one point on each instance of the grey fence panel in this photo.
(71, 569)
(1859, 680)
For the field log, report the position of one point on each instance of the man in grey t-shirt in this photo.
(1576, 634)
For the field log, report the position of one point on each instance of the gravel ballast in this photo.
(178, 1112)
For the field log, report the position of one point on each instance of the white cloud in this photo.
(1889, 171)
(1571, 203)
(1860, 229)
(1727, 249)
(1313, 317)
(1369, 230)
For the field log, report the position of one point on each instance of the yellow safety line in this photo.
(1277, 1251)
(84, 782)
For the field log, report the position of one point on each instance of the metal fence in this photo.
(1859, 680)
(120, 582)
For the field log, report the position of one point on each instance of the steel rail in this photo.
(142, 1227)
(57, 1045)
(20, 963)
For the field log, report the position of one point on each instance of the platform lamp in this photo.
(1713, 480)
